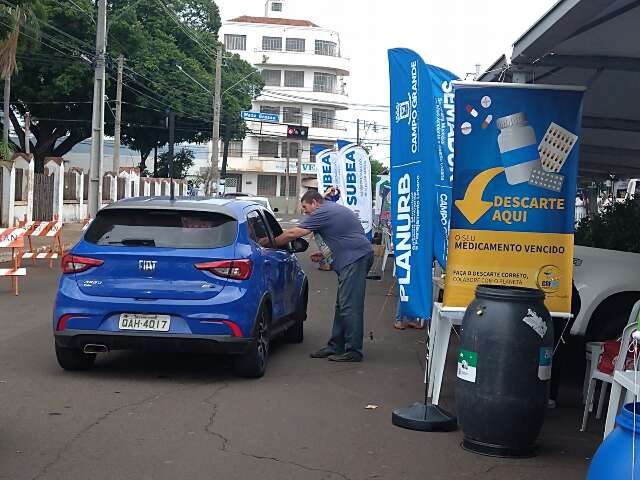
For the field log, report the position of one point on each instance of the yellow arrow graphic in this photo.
(472, 206)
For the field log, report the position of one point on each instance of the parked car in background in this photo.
(606, 285)
(192, 274)
(264, 201)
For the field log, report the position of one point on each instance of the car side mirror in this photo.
(275, 210)
(299, 245)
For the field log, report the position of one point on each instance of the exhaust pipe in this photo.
(95, 348)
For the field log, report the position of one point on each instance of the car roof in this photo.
(227, 206)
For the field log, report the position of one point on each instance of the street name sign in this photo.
(260, 117)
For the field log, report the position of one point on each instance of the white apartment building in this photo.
(304, 74)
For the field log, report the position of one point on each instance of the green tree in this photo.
(13, 18)
(616, 228)
(377, 169)
(182, 161)
(55, 82)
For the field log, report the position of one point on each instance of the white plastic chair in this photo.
(606, 379)
(629, 381)
(592, 353)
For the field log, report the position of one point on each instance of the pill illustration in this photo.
(487, 121)
(485, 101)
(465, 128)
(472, 111)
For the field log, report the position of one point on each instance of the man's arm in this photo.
(291, 234)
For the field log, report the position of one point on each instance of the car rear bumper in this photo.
(155, 342)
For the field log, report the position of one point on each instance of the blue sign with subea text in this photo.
(260, 117)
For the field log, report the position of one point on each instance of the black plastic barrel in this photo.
(504, 370)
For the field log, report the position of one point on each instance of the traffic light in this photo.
(298, 132)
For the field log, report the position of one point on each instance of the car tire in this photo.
(253, 363)
(73, 359)
(295, 333)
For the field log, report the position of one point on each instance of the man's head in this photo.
(310, 201)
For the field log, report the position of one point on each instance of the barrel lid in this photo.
(508, 293)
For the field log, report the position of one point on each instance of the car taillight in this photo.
(62, 321)
(76, 264)
(235, 269)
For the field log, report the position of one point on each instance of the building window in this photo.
(235, 42)
(294, 78)
(276, 7)
(292, 115)
(271, 43)
(313, 155)
(272, 78)
(235, 148)
(267, 148)
(324, 47)
(269, 109)
(289, 150)
(295, 45)
(233, 180)
(292, 185)
(322, 118)
(324, 82)
(267, 185)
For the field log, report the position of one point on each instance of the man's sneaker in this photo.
(346, 357)
(324, 352)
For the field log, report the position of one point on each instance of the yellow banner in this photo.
(535, 260)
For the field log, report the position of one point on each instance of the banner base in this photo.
(424, 417)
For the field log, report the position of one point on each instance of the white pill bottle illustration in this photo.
(518, 148)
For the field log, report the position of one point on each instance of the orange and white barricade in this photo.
(13, 238)
(52, 230)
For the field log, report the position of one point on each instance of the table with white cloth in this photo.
(443, 319)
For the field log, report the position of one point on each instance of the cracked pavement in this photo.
(150, 416)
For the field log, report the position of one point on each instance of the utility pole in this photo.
(6, 107)
(97, 123)
(299, 173)
(214, 175)
(116, 134)
(286, 182)
(171, 142)
(155, 160)
(27, 132)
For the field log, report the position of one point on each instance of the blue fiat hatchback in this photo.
(197, 275)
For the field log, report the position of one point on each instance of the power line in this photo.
(191, 35)
(372, 107)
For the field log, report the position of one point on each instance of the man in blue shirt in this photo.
(352, 258)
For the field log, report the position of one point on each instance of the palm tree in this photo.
(17, 15)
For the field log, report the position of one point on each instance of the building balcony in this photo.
(302, 59)
(336, 99)
(338, 131)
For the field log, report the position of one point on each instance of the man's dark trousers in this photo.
(348, 322)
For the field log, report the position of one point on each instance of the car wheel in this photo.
(295, 333)
(73, 359)
(253, 363)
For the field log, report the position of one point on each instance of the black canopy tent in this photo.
(594, 43)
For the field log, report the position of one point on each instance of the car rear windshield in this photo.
(162, 228)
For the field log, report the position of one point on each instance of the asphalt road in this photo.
(152, 416)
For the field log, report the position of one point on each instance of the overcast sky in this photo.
(453, 34)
